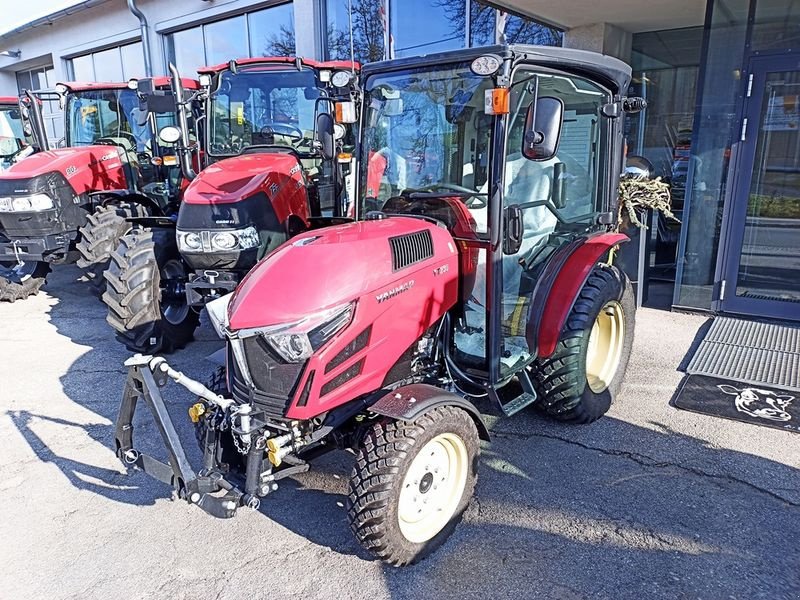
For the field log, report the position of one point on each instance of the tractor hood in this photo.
(86, 168)
(234, 179)
(328, 267)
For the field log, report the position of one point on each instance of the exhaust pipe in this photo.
(183, 124)
(145, 29)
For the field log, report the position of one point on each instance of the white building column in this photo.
(307, 40)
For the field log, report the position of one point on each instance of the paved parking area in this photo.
(649, 502)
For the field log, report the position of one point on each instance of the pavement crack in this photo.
(647, 461)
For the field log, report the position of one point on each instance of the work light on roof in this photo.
(341, 78)
(61, 88)
(205, 80)
(485, 65)
(133, 84)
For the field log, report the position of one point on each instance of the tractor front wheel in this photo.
(20, 280)
(100, 236)
(583, 376)
(145, 293)
(412, 482)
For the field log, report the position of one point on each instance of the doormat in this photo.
(756, 404)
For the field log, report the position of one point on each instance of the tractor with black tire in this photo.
(264, 180)
(477, 276)
(73, 200)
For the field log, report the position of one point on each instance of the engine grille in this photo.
(274, 380)
(410, 249)
(343, 377)
(359, 343)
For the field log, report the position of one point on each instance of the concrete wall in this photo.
(600, 37)
(111, 23)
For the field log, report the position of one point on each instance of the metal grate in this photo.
(750, 352)
(359, 343)
(410, 249)
(342, 377)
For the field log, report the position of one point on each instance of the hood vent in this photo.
(410, 249)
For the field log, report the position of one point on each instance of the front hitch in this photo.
(146, 375)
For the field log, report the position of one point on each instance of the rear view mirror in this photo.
(639, 166)
(542, 128)
(325, 136)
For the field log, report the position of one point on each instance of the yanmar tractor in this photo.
(477, 270)
(75, 202)
(15, 144)
(266, 179)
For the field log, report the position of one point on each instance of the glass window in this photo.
(83, 68)
(185, 49)
(96, 114)
(519, 30)
(108, 65)
(776, 25)
(272, 31)
(368, 31)
(423, 27)
(132, 60)
(225, 40)
(482, 24)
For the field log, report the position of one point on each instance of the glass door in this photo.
(762, 273)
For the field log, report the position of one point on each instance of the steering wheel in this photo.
(112, 140)
(290, 131)
(474, 201)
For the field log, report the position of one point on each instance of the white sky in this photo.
(14, 13)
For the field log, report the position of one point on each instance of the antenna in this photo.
(350, 22)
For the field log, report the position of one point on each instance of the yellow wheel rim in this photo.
(432, 488)
(605, 346)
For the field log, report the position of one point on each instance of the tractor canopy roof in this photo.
(9, 100)
(158, 82)
(282, 60)
(609, 70)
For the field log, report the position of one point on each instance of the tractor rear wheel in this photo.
(412, 482)
(146, 295)
(100, 236)
(583, 376)
(18, 281)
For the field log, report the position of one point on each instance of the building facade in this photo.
(722, 79)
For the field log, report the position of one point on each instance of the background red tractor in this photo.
(265, 179)
(76, 201)
(477, 274)
(15, 144)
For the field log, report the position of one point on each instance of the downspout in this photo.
(145, 28)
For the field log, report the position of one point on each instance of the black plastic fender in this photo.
(106, 197)
(408, 402)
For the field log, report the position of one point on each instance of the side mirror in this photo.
(639, 166)
(169, 134)
(543, 128)
(325, 136)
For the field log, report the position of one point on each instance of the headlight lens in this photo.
(296, 342)
(218, 241)
(31, 203)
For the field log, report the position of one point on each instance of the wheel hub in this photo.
(605, 346)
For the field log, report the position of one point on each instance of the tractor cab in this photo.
(15, 144)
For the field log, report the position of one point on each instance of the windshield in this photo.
(263, 106)
(425, 129)
(110, 114)
(12, 139)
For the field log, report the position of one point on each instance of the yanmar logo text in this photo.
(395, 291)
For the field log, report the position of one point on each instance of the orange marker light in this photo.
(346, 112)
(497, 101)
(170, 161)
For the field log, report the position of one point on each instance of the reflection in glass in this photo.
(132, 60)
(83, 68)
(368, 33)
(226, 40)
(272, 31)
(108, 65)
(776, 25)
(442, 28)
(185, 49)
(769, 266)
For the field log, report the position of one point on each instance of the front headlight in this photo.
(217, 241)
(31, 203)
(296, 342)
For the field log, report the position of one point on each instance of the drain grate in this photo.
(750, 352)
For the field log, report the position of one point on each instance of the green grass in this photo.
(776, 207)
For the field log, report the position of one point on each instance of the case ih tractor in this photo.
(476, 271)
(265, 180)
(74, 201)
(15, 144)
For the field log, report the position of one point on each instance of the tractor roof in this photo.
(283, 60)
(611, 71)
(9, 100)
(158, 82)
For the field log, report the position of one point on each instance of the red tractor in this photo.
(478, 274)
(15, 144)
(76, 201)
(265, 179)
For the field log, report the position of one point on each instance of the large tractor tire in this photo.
(145, 293)
(584, 375)
(100, 237)
(18, 281)
(412, 482)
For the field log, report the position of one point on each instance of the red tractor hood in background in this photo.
(325, 268)
(86, 168)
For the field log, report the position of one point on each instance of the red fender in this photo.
(565, 289)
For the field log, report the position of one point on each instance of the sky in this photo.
(15, 13)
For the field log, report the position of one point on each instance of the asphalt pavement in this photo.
(649, 502)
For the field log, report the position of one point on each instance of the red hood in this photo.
(87, 168)
(239, 177)
(5, 100)
(323, 268)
